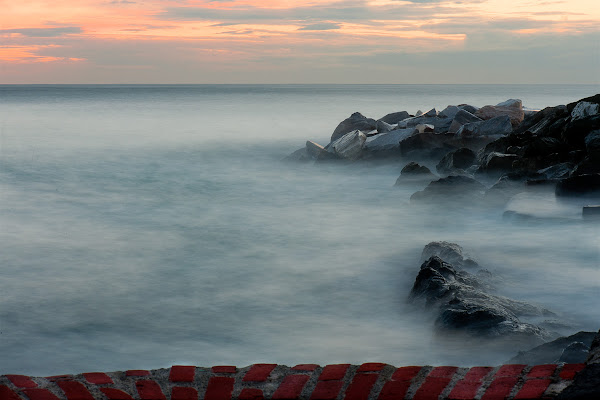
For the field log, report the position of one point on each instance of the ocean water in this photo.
(147, 226)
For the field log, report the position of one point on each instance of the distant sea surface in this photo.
(147, 226)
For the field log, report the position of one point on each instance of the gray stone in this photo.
(431, 113)
(418, 113)
(356, 121)
(461, 118)
(393, 118)
(584, 109)
(498, 162)
(388, 141)
(511, 108)
(497, 126)
(300, 155)
(449, 112)
(549, 353)
(459, 159)
(422, 128)
(575, 353)
(441, 125)
(349, 146)
(592, 144)
(384, 127)
(415, 172)
(557, 171)
(315, 150)
(469, 108)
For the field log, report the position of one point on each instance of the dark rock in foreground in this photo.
(555, 350)
(586, 385)
(579, 185)
(460, 159)
(463, 305)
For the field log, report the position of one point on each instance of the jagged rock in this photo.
(387, 141)
(451, 253)
(431, 113)
(315, 150)
(422, 128)
(512, 108)
(427, 144)
(462, 117)
(441, 125)
(542, 147)
(498, 162)
(449, 112)
(576, 352)
(551, 352)
(580, 185)
(418, 113)
(469, 108)
(356, 121)
(557, 171)
(575, 132)
(393, 118)
(540, 123)
(497, 126)
(349, 146)
(300, 155)
(384, 127)
(592, 144)
(584, 109)
(452, 190)
(414, 171)
(464, 306)
(459, 159)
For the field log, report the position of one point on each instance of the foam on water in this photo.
(150, 226)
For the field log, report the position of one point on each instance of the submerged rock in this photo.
(315, 150)
(356, 121)
(463, 305)
(414, 171)
(552, 352)
(460, 159)
(454, 190)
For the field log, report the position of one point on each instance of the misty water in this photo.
(147, 226)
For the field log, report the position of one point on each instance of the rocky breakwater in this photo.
(460, 294)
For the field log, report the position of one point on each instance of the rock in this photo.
(356, 121)
(586, 385)
(584, 109)
(384, 127)
(300, 155)
(498, 162)
(551, 352)
(387, 141)
(575, 353)
(431, 113)
(502, 191)
(461, 118)
(441, 125)
(592, 145)
(315, 150)
(462, 305)
(349, 146)
(459, 159)
(469, 108)
(575, 132)
(587, 166)
(422, 128)
(393, 118)
(449, 112)
(414, 171)
(454, 190)
(497, 126)
(427, 144)
(580, 185)
(512, 108)
(418, 113)
(452, 253)
(540, 122)
(557, 171)
(591, 213)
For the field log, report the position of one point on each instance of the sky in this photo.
(293, 41)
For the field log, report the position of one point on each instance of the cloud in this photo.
(323, 26)
(44, 32)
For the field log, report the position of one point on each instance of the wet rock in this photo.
(463, 305)
(592, 145)
(315, 150)
(441, 125)
(454, 190)
(468, 108)
(575, 132)
(497, 126)
(356, 121)
(394, 118)
(427, 145)
(512, 108)
(586, 166)
(300, 155)
(497, 162)
(418, 113)
(449, 112)
(461, 118)
(349, 146)
(580, 185)
(575, 353)
(460, 159)
(586, 385)
(540, 122)
(557, 171)
(584, 109)
(542, 147)
(431, 113)
(452, 253)
(551, 352)
(387, 141)
(414, 171)
(384, 127)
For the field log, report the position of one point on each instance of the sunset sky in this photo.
(293, 41)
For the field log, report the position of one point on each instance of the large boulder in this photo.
(454, 190)
(349, 146)
(552, 352)
(449, 112)
(463, 305)
(384, 127)
(452, 253)
(315, 150)
(497, 126)
(461, 118)
(394, 118)
(498, 162)
(592, 145)
(513, 108)
(460, 159)
(575, 132)
(580, 185)
(541, 122)
(415, 172)
(584, 109)
(426, 145)
(557, 171)
(356, 121)
(389, 141)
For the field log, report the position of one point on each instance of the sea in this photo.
(144, 226)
